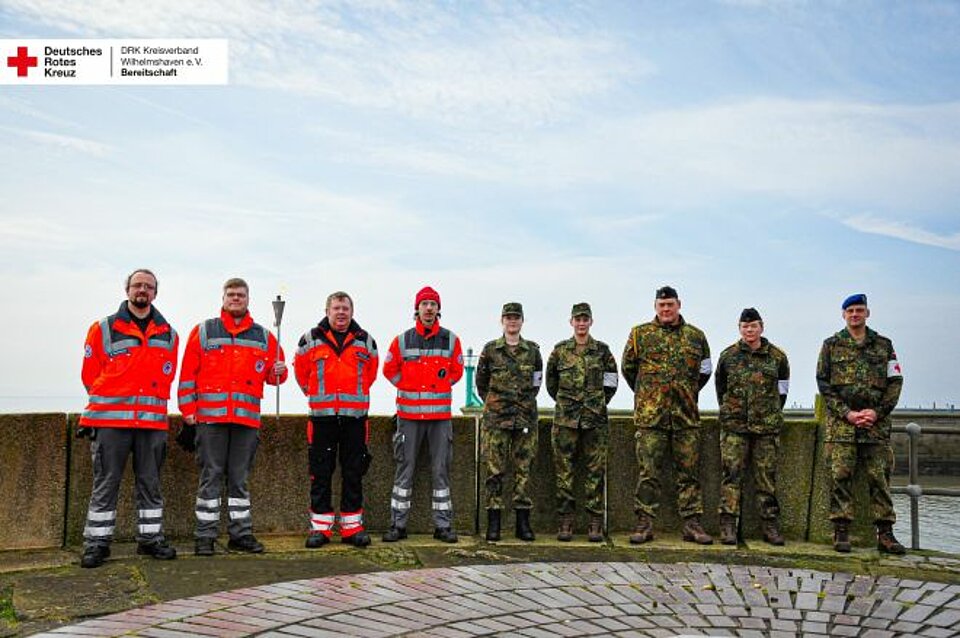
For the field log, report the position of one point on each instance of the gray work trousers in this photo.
(406, 443)
(110, 449)
(224, 449)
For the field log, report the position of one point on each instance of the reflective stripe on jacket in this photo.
(424, 363)
(225, 365)
(336, 378)
(127, 372)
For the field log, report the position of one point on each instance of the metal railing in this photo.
(914, 490)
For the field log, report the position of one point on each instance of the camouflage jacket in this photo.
(752, 387)
(666, 366)
(508, 383)
(857, 376)
(581, 383)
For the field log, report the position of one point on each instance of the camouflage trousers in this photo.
(683, 446)
(876, 460)
(496, 445)
(589, 446)
(737, 449)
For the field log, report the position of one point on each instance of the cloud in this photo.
(432, 61)
(22, 233)
(808, 151)
(26, 108)
(901, 230)
(63, 142)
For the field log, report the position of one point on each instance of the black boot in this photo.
(524, 531)
(841, 536)
(493, 525)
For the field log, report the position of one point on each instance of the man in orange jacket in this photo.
(129, 361)
(225, 364)
(336, 364)
(424, 362)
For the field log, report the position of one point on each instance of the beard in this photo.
(140, 303)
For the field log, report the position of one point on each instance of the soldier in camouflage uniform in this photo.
(667, 362)
(509, 374)
(753, 377)
(581, 378)
(859, 377)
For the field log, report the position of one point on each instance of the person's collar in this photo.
(234, 327)
(124, 314)
(764, 345)
(502, 342)
(428, 332)
(672, 326)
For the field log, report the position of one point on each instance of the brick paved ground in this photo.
(557, 599)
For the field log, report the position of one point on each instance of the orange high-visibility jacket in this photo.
(336, 379)
(127, 372)
(424, 363)
(225, 365)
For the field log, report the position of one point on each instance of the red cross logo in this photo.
(22, 61)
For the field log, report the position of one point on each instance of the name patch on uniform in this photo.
(168, 367)
(260, 365)
(87, 351)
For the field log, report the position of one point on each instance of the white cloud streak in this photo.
(429, 61)
(902, 230)
(63, 142)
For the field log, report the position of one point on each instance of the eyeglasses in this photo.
(143, 286)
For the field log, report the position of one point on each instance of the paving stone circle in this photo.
(544, 600)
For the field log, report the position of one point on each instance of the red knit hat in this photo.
(426, 294)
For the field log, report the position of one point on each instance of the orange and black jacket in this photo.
(127, 372)
(336, 377)
(225, 365)
(424, 363)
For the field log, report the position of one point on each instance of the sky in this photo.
(777, 154)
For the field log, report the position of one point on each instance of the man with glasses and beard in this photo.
(129, 362)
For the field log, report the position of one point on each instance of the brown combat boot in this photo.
(565, 533)
(693, 531)
(887, 543)
(644, 530)
(728, 529)
(771, 532)
(841, 536)
(595, 529)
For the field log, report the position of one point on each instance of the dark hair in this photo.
(146, 271)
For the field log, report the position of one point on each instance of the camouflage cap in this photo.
(582, 308)
(667, 292)
(512, 308)
(749, 314)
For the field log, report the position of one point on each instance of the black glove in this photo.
(85, 432)
(187, 438)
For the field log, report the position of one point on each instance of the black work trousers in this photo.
(333, 436)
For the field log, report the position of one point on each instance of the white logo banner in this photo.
(127, 61)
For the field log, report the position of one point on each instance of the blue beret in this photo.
(858, 299)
